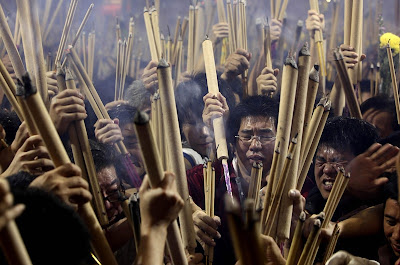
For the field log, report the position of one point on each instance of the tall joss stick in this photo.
(150, 35)
(356, 38)
(190, 49)
(59, 156)
(297, 127)
(117, 70)
(218, 123)
(319, 40)
(46, 31)
(296, 241)
(154, 169)
(394, 82)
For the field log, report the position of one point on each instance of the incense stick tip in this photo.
(305, 50)
(314, 73)
(25, 87)
(141, 118)
(290, 61)
(302, 216)
(68, 75)
(162, 63)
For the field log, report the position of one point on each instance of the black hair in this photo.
(348, 134)
(189, 97)
(10, 122)
(251, 106)
(382, 103)
(124, 112)
(103, 155)
(63, 237)
(390, 189)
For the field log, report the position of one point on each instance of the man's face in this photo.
(327, 162)
(382, 120)
(109, 186)
(198, 136)
(131, 143)
(254, 150)
(391, 225)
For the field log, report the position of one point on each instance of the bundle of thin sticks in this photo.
(81, 150)
(48, 26)
(319, 40)
(331, 244)
(243, 232)
(278, 9)
(355, 11)
(123, 62)
(238, 32)
(46, 129)
(255, 184)
(341, 181)
(222, 19)
(209, 194)
(347, 86)
(154, 169)
(191, 39)
(153, 33)
(100, 111)
(394, 82)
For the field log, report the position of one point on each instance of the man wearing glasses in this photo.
(251, 132)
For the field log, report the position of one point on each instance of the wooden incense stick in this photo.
(66, 29)
(52, 20)
(313, 84)
(218, 123)
(150, 35)
(82, 25)
(175, 151)
(351, 100)
(59, 156)
(277, 195)
(8, 86)
(318, 123)
(297, 127)
(332, 243)
(296, 241)
(79, 128)
(46, 13)
(314, 234)
(356, 37)
(190, 49)
(154, 169)
(394, 82)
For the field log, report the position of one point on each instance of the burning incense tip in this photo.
(141, 118)
(25, 87)
(314, 73)
(305, 51)
(302, 216)
(290, 61)
(162, 64)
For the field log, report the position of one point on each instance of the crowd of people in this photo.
(46, 201)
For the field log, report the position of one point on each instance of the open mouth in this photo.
(328, 184)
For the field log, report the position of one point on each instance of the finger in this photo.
(6, 202)
(72, 100)
(68, 170)
(267, 70)
(210, 223)
(205, 238)
(379, 155)
(102, 122)
(380, 181)
(217, 220)
(11, 214)
(388, 155)
(167, 182)
(37, 163)
(372, 149)
(74, 108)
(243, 52)
(69, 93)
(79, 195)
(68, 117)
(30, 142)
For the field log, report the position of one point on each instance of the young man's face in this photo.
(198, 135)
(261, 147)
(132, 145)
(109, 186)
(391, 225)
(327, 162)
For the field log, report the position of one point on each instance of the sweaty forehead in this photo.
(257, 123)
(331, 154)
(107, 177)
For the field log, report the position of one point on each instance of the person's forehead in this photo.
(392, 208)
(328, 152)
(107, 176)
(257, 122)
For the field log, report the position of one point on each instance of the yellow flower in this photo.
(393, 40)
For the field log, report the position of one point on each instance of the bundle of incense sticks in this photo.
(66, 29)
(356, 37)
(347, 86)
(59, 156)
(273, 208)
(238, 33)
(244, 233)
(286, 106)
(218, 123)
(209, 196)
(222, 19)
(153, 32)
(335, 195)
(313, 134)
(154, 169)
(82, 152)
(278, 8)
(297, 127)
(296, 241)
(32, 43)
(174, 149)
(123, 62)
(255, 184)
(48, 26)
(100, 111)
(333, 36)
(9, 89)
(331, 244)
(394, 82)
(191, 39)
(319, 40)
